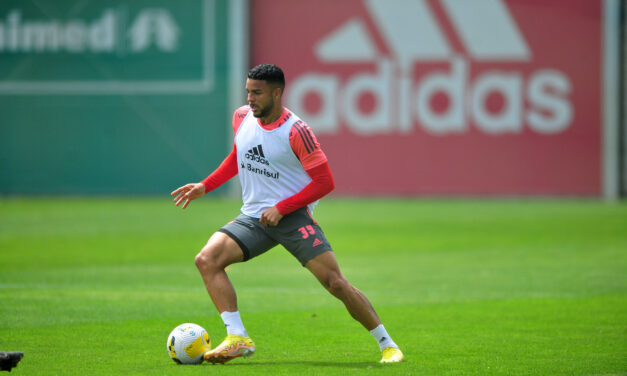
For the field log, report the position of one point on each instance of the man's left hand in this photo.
(270, 217)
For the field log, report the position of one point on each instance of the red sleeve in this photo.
(223, 173)
(306, 146)
(321, 184)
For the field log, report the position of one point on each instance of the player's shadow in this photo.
(309, 363)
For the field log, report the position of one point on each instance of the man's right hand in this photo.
(187, 193)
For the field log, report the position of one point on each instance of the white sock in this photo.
(382, 337)
(233, 323)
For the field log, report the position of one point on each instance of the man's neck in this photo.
(273, 116)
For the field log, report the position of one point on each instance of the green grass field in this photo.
(494, 287)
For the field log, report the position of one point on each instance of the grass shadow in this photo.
(308, 363)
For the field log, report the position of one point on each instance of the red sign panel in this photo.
(444, 96)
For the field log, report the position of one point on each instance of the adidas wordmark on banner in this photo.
(446, 96)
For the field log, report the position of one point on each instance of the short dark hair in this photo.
(270, 73)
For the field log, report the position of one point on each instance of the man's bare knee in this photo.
(219, 252)
(338, 285)
(211, 258)
(204, 260)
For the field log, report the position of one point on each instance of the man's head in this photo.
(270, 73)
(265, 86)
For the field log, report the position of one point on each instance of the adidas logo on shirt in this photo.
(256, 154)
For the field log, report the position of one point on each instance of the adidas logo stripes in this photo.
(257, 150)
(256, 154)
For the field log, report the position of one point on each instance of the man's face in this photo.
(260, 97)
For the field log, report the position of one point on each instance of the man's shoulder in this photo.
(238, 117)
(241, 112)
(300, 127)
(297, 122)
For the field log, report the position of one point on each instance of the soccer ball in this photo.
(187, 343)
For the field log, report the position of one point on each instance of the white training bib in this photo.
(269, 171)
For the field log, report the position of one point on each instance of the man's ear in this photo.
(277, 92)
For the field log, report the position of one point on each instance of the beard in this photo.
(264, 111)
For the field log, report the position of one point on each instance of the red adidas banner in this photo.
(444, 96)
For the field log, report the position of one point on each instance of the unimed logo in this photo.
(448, 99)
(109, 33)
(111, 47)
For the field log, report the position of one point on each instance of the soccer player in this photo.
(283, 173)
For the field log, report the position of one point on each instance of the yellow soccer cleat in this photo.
(232, 347)
(392, 355)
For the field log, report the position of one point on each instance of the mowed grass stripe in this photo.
(93, 286)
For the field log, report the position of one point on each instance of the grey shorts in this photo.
(298, 232)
